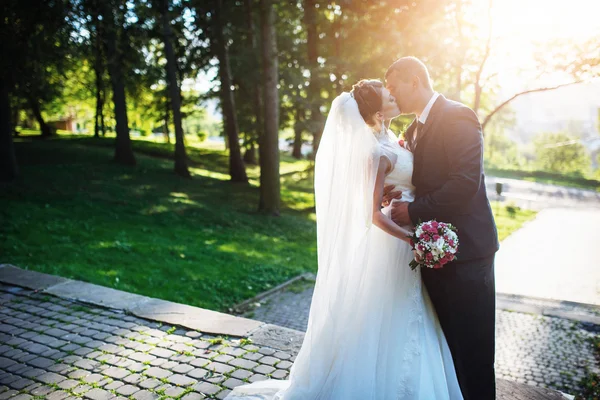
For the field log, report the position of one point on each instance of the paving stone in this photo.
(41, 362)
(253, 356)
(16, 367)
(284, 365)
(116, 373)
(242, 363)
(223, 358)
(134, 378)
(150, 383)
(68, 384)
(50, 378)
(158, 372)
(81, 389)
(257, 377)
(42, 390)
(193, 396)
(174, 391)
(71, 347)
(20, 383)
(219, 368)
(279, 374)
(206, 388)
(58, 395)
(241, 374)
(181, 380)
(87, 364)
(182, 368)
(110, 348)
(264, 369)
(197, 373)
(137, 367)
(222, 394)
(169, 365)
(8, 394)
(22, 397)
(282, 355)
(266, 351)
(163, 353)
(232, 383)
(6, 362)
(79, 374)
(234, 351)
(127, 390)
(98, 394)
(269, 360)
(145, 395)
(8, 378)
(114, 385)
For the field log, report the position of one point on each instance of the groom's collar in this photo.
(427, 109)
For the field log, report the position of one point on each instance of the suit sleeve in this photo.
(463, 146)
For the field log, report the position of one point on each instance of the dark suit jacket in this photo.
(449, 179)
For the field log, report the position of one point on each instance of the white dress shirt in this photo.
(428, 107)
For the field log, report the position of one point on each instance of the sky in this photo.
(518, 27)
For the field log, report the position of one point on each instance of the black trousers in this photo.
(464, 297)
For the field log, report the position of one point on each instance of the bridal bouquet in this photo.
(435, 244)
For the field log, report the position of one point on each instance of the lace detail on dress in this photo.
(412, 347)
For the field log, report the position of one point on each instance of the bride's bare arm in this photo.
(380, 219)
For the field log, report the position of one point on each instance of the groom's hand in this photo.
(389, 195)
(400, 213)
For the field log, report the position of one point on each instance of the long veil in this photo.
(345, 172)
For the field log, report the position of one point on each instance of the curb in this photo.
(247, 304)
(587, 314)
(195, 318)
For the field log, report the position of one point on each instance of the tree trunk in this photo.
(102, 125)
(123, 149)
(8, 159)
(270, 185)
(237, 170)
(181, 167)
(47, 131)
(250, 155)
(167, 119)
(310, 23)
(15, 118)
(298, 128)
(99, 71)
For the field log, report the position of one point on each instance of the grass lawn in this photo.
(75, 214)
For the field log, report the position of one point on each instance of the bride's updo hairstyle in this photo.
(367, 93)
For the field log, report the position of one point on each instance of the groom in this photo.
(447, 144)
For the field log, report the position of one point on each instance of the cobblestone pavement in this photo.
(537, 350)
(56, 349)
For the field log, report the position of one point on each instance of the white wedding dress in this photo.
(372, 333)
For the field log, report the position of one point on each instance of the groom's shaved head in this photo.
(406, 68)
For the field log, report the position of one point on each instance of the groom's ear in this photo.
(416, 82)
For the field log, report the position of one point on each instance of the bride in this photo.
(372, 331)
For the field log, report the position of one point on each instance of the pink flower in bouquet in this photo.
(435, 244)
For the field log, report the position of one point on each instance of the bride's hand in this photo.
(389, 195)
(417, 257)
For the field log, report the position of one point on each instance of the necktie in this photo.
(418, 130)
